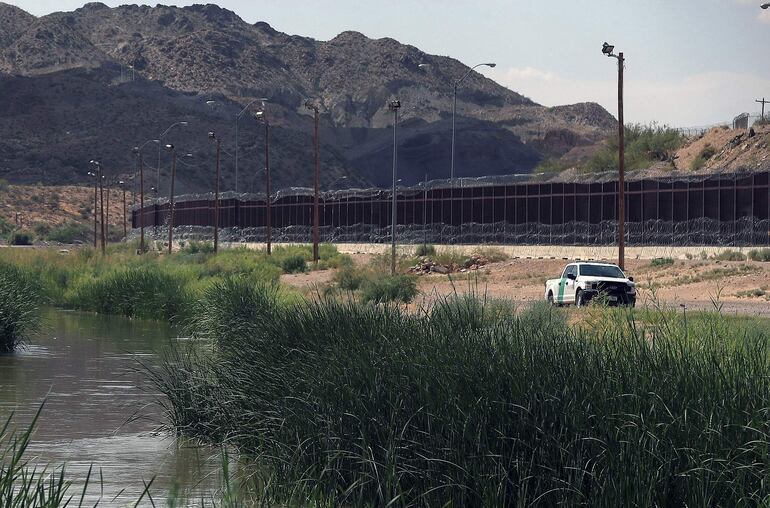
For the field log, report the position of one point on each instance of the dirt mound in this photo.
(727, 150)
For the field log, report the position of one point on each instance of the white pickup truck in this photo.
(581, 282)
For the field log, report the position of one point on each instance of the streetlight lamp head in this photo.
(493, 65)
(183, 124)
(608, 49)
(212, 135)
(210, 103)
(394, 104)
(120, 182)
(765, 6)
(135, 149)
(169, 147)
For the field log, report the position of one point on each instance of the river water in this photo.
(100, 409)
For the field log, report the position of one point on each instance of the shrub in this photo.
(19, 307)
(20, 238)
(196, 247)
(349, 278)
(492, 254)
(294, 264)
(389, 288)
(70, 232)
(730, 255)
(658, 262)
(3, 185)
(423, 250)
(760, 254)
(645, 145)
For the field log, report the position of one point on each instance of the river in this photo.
(100, 409)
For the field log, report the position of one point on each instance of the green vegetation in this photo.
(424, 249)
(69, 233)
(752, 293)
(294, 263)
(389, 288)
(660, 262)
(155, 285)
(19, 307)
(20, 237)
(645, 145)
(713, 274)
(704, 155)
(730, 255)
(341, 403)
(760, 254)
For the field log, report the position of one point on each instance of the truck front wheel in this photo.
(579, 301)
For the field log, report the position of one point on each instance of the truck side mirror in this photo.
(571, 276)
(631, 279)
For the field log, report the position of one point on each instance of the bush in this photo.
(20, 238)
(645, 145)
(492, 254)
(760, 254)
(294, 264)
(658, 262)
(706, 153)
(196, 247)
(349, 278)
(389, 288)
(423, 250)
(730, 255)
(70, 232)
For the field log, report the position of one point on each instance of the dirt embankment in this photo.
(56, 206)
(722, 149)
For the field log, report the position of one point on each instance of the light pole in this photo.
(125, 226)
(608, 50)
(316, 182)
(140, 161)
(454, 111)
(96, 205)
(394, 106)
(238, 117)
(100, 178)
(213, 137)
(160, 139)
(171, 198)
(268, 219)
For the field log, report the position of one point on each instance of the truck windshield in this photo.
(601, 271)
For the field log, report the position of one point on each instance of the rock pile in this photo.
(426, 265)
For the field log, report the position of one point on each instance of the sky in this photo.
(688, 62)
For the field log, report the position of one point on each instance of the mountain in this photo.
(98, 80)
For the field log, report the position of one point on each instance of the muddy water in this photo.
(100, 409)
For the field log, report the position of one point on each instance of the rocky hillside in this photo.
(96, 81)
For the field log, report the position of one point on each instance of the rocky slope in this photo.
(99, 80)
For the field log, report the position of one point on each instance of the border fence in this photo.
(727, 209)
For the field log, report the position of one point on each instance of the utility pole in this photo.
(608, 50)
(317, 172)
(621, 170)
(262, 117)
(96, 206)
(763, 102)
(214, 137)
(101, 206)
(125, 225)
(141, 201)
(171, 198)
(394, 106)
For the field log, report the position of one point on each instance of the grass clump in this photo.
(198, 247)
(294, 264)
(70, 233)
(762, 254)
(706, 153)
(730, 255)
(660, 262)
(345, 404)
(389, 288)
(19, 307)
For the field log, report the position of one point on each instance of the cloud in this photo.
(764, 17)
(698, 99)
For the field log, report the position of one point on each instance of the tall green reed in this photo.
(19, 307)
(346, 403)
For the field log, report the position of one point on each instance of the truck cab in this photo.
(584, 281)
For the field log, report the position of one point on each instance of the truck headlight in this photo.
(591, 285)
(631, 288)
